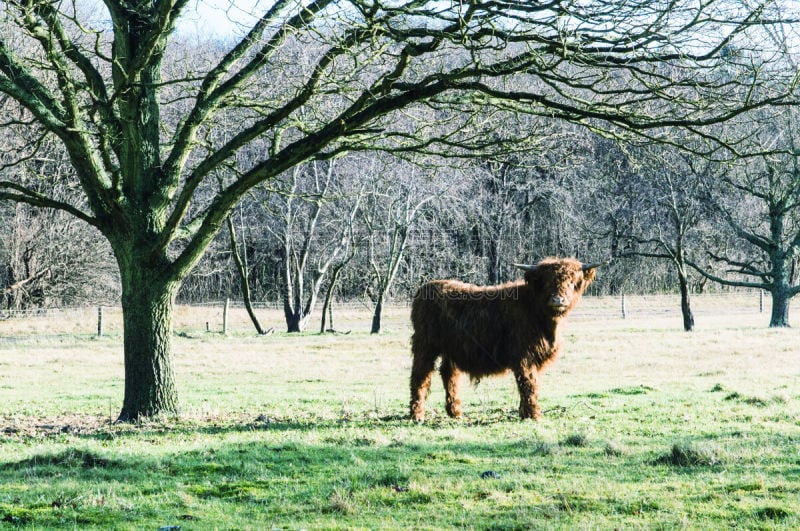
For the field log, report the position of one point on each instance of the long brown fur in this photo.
(490, 330)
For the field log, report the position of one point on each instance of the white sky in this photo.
(221, 18)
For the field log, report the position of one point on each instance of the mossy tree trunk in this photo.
(147, 308)
(150, 283)
(780, 290)
(779, 316)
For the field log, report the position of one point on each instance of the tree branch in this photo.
(23, 195)
(727, 282)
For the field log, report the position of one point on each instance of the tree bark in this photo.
(780, 289)
(780, 308)
(376, 316)
(686, 308)
(147, 309)
(298, 314)
(296, 318)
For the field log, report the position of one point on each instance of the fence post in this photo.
(99, 321)
(225, 316)
(624, 309)
(761, 301)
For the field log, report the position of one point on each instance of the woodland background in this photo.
(375, 225)
(676, 210)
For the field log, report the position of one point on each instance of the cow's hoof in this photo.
(417, 410)
(454, 412)
(530, 415)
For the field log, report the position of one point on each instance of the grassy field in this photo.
(645, 427)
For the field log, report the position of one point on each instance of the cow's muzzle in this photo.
(559, 303)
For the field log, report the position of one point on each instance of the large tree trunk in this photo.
(294, 322)
(686, 309)
(376, 316)
(780, 288)
(291, 302)
(296, 313)
(147, 308)
(296, 316)
(780, 308)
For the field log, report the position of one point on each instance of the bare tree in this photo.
(345, 251)
(759, 198)
(666, 211)
(500, 216)
(393, 206)
(240, 262)
(147, 131)
(526, 203)
(311, 238)
(47, 257)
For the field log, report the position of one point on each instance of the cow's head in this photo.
(558, 283)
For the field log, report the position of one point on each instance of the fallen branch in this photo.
(332, 331)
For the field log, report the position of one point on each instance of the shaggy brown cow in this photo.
(488, 330)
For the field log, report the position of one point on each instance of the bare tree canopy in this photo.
(759, 199)
(151, 126)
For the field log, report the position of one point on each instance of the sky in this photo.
(220, 18)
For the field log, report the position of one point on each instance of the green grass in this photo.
(645, 427)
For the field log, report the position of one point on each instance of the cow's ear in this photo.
(588, 275)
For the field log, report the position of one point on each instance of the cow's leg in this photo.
(421, 371)
(528, 385)
(451, 376)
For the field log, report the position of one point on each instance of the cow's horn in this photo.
(526, 267)
(586, 267)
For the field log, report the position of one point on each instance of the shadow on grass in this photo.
(104, 429)
(366, 473)
(72, 458)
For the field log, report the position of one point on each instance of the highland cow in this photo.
(491, 330)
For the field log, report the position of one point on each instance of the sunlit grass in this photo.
(645, 427)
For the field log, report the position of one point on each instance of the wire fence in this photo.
(230, 316)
